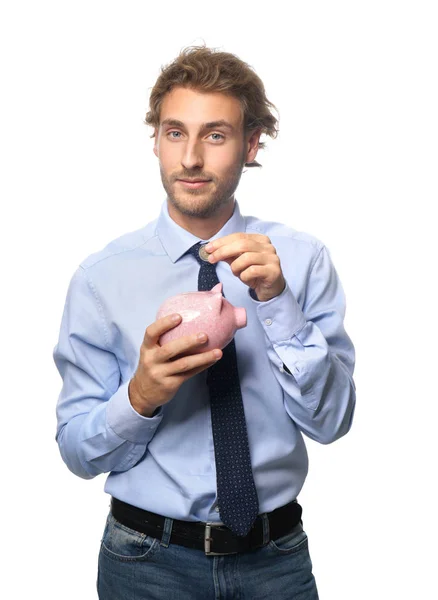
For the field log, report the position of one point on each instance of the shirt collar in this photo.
(176, 240)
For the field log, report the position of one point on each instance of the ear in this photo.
(156, 142)
(252, 145)
(216, 302)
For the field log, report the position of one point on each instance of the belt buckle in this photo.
(208, 540)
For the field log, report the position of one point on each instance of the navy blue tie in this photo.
(236, 491)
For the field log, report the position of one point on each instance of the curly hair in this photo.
(204, 69)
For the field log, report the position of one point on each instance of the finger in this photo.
(169, 350)
(247, 259)
(188, 374)
(265, 273)
(195, 363)
(158, 327)
(233, 237)
(238, 248)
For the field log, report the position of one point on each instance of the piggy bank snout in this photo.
(240, 316)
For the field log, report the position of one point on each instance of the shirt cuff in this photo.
(281, 317)
(126, 422)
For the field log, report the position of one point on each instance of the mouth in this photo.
(194, 183)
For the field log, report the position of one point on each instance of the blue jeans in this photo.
(134, 566)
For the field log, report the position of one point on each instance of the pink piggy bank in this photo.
(209, 312)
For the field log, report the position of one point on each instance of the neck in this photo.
(204, 228)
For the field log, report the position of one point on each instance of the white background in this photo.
(355, 164)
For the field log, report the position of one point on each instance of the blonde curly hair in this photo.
(208, 70)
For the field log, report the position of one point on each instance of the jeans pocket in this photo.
(292, 542)
(124, 544)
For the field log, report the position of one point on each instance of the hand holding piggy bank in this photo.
(209, 312)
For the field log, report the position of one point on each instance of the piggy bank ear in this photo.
(216, 303)
(217, 299)
(217, 288)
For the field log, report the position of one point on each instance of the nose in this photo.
(192, 156)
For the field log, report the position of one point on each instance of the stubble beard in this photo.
(185, 201)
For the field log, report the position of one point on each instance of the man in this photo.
(204, 451)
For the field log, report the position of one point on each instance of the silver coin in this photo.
(203, 253)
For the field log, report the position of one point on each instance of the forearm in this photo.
(311, 343)
(319, 394)
(112, 436)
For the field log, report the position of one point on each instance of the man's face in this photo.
(191, 149)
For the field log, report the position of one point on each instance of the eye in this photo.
(169, 134)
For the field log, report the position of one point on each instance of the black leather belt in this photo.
(210, 537)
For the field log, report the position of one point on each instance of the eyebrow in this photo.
(210, 125)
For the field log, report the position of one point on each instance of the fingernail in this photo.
(201, 337)
(217, 354)
(175, 318)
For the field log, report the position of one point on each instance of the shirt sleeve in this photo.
(313, 358)
(98, 430)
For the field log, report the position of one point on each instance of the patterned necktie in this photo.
(236, 491)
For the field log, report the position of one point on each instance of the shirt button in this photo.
(268, 321)
(217, 509)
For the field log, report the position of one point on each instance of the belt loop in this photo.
(265, 520)
(167, 532)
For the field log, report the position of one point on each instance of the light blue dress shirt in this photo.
(166, 463)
